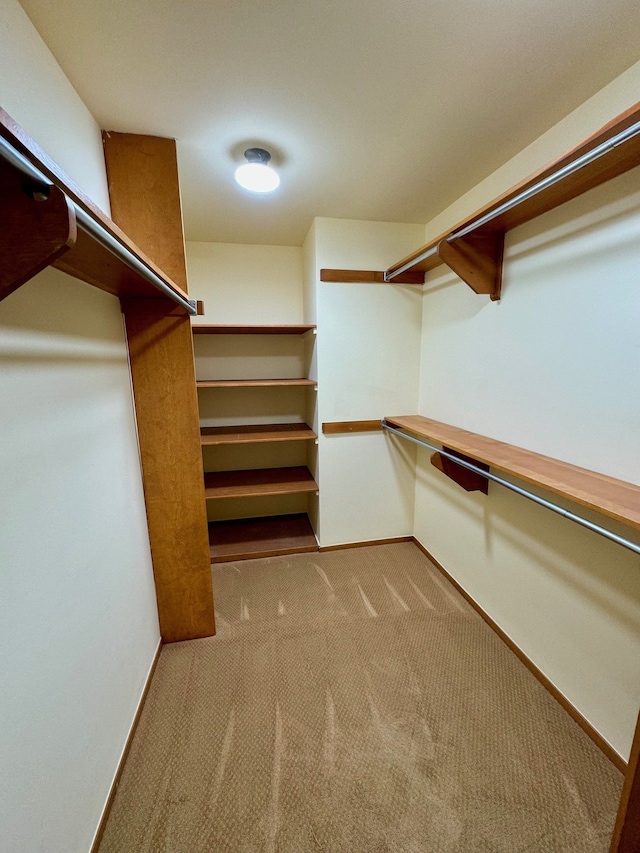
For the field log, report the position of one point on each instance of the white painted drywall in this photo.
(36, 93)
(367, 363)
(245, 283)
(553, 367)
(78, 619)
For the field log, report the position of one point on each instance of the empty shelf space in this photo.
(614, 498)
(228, 329)
(253, 383)
(250, 538)
(258, 482)
(255, 434)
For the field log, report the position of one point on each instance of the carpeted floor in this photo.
(353, 702)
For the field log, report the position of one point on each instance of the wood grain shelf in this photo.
(229, 329)
(476, 254)
(251, 538)
(80, 254)
(258, 482)
(614, 498)
(255, 434)
(254, 383)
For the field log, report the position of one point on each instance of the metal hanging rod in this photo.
(95, 229)
(575, 165)
(565, 513)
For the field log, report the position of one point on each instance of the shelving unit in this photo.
(251, 537)
(614, 498)
(48, 220)
(473, 248)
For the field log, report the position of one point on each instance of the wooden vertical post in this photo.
(145, 202)
(164, 388)
(626, 834)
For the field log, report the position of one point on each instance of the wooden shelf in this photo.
(477, 255)
(250, 538)
(73, 249)
(255, 434)
(258, 482)
(228, 329)
(614, 498)
(254, 383)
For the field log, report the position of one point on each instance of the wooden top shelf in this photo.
(83, 256)
(253, 383)
(255, 434)
(227, 329)
(614, 498)
(258, 482)
(616, 161)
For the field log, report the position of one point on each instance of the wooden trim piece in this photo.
(394, 540)
(87, 259)
(142, 172)
(255, 434)
(337, 427)
(235, 329)
(469, 480)
(477, 260)
(254, 383)
(258, 482)
(163, 377)
(615, 162)
(113, 789)
(369, 277)
(573, 712)
(35, 231)
(613, 498)
(626, 833)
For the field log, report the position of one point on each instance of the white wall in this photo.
(36, 93)
(553, 367)
(78, 619)
(368, 358)
(246, 284)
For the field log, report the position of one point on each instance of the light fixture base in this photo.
(257, 155)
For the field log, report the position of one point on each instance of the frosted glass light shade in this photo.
(257, 177)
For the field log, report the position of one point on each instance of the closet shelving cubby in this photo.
(255, 441)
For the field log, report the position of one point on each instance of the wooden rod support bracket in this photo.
(36, 229)
(469, 480)
(477, 259)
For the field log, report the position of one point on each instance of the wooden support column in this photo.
(164, 388)
(626, 833)
(144, 191)
(145, 202)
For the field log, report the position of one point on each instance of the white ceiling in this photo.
(373, 109)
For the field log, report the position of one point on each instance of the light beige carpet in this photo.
(353, 701)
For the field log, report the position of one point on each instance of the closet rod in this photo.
(525, 195)
(565, 513)
(92, 227)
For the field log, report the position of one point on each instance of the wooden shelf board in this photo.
(254, 383)
(614, 498)
(255, 434)
(258, 482)
(251, 538)
(608, 166)
(87, 259)
(229, 329)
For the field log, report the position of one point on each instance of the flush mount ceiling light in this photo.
(256, 175)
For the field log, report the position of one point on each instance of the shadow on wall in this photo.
(589, 565)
